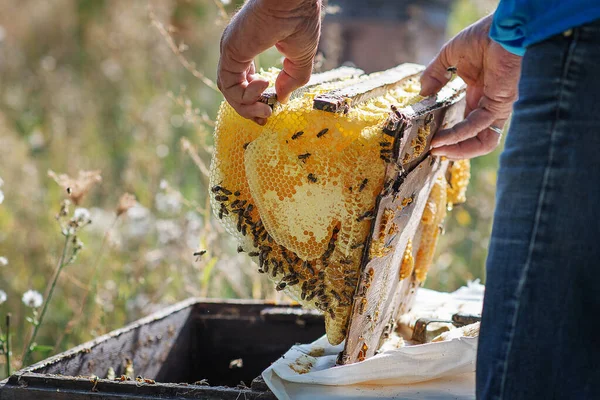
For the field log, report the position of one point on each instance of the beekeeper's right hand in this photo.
(293, 26)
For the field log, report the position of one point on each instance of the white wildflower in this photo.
(169, 203)
(163, 184)
(81, 214)
(139, 221)
(1, 197)
(2, 296)
(33, 299)
(3, 261)
(1, 182)
(168, 231)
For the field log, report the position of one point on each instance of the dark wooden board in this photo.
(269, 96)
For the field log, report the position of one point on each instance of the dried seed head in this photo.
(78, 187)
(126, 201)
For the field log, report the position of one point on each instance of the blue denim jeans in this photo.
(540, 333)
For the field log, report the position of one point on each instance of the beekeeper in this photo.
(538, 336)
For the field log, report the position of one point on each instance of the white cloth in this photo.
(440, 370)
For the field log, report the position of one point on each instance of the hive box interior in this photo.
(186, 343)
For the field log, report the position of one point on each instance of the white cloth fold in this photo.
(440, 370)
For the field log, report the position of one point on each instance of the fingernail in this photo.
(267, 112)
(425, 87)
(435, 144)
(260, 121)
(283, 100)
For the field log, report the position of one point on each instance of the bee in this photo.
(331, 313)
(240, 249)
(395, 110)
(221, 198)
(244, 229)
(246, 145)
(385, 143)
(345, 261)
(336, 295)
(218, 188)
(312, 178)
(366, 216)
(253, 254)
(363, 184)
(357, 245)
(237, 203)
(199, 254)
(297, 135)
(236, 193)
(280, 286)
(69, 190)
(306, 264)
(311, 296)
(350, 283)
(293, 282)
(223, 211)
(249, 208)
(304, 157)
(322, 132)
(453, 70)
(265, 248)
(385, 158)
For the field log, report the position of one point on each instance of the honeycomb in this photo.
(431, 224)
(460, 174)
(299, 193)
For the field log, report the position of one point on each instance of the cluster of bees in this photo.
(277, 260)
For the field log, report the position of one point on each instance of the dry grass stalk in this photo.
(177, 50)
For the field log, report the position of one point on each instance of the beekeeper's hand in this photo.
(293, 26)
(492, 76)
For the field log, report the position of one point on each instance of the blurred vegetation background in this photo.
(93, 85)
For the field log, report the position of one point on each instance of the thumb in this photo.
(299, 50)
(291, 78)
(436, 75)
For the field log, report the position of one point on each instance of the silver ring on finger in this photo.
(499, 131)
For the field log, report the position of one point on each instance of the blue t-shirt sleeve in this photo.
(508, 26)
(507, 38)
(518, 24)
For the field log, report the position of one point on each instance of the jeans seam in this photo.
(541, 198)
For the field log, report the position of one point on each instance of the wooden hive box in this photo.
(183, 344)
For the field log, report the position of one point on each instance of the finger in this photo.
(436, 75)
(260, 121)
(251, 111)
(499, 123)
(485, 142)
(292, 76)
(299, 51)
(254, 89)
(476, 121)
